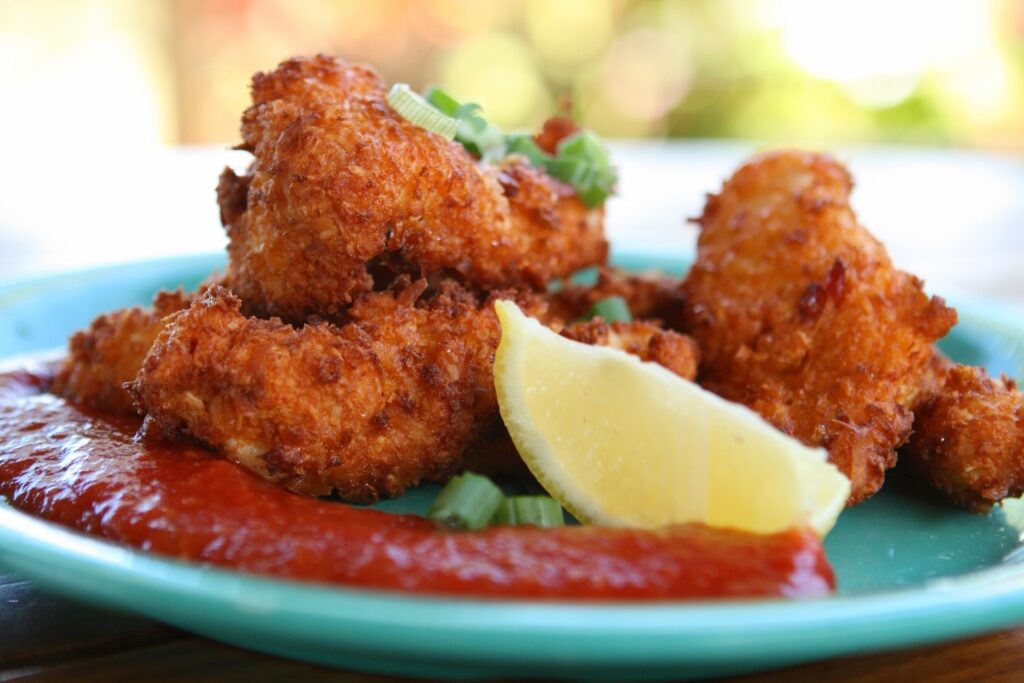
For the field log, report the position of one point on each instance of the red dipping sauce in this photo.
(86, 471)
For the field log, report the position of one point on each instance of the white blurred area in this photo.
(94, 172)
(87, 156)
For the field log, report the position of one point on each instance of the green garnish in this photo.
(525, 145)
(613, 309)
(474, 132)
(542, 511)
(580, 161)
(442, 101)
(472, 501)
(411, 105)
(467, 501)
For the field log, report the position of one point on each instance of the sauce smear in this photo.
(86, 471)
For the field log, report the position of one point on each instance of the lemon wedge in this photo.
(621, 442)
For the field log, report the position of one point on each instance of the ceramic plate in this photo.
(910, 570)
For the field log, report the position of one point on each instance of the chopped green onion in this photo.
(467, 501)
(521, 143)
(442, 101)
(542, 511)
(474, 132)
(613, 309)
(419, 111)
(581, 161)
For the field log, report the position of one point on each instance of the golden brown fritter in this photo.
(968, 440)
(800, 314)
(342, 186)
(367, 409)
(104, 358)
(650, 296)
(645, 339)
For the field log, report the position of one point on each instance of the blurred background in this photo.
(116, 113)
(943, 72)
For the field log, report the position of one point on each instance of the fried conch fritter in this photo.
(968, 440)
(800, 314)
(103, 359)
(401, 393)
(366, 409)
(342, 189)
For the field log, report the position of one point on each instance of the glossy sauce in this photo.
(86, 471)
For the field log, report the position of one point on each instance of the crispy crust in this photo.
(367, 409)
(341, 186)
(104, 358)
(968, 441)
(644, 339)
(800, 315)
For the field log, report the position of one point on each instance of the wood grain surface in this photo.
(46, 638)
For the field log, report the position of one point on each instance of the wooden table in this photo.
(46, 638)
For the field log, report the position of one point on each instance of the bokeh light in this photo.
(485, 69)
(801, 71)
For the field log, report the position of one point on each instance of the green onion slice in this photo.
(525, 145)
(467, 501)
(442, 101)
(581, 161)
(419, 111)
(542, 511)
(613, 309)
(474, 132)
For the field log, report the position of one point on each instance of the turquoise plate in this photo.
(910, 570)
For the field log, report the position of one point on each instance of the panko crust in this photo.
(644, 339)
(103, 359)
(800, 314)
(968, 440)
(341, 182)
(366, 410)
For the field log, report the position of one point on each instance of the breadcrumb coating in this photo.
(342, 188)
(367, 409)
(644, 339)
(103, 359)
(968, 441)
